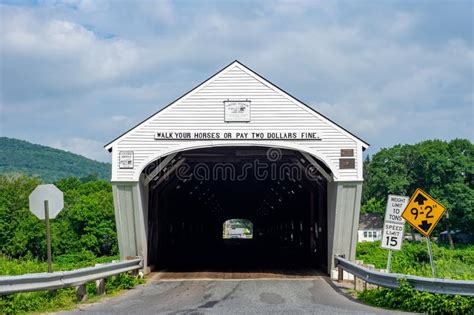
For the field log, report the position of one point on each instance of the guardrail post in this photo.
(359, 284)
(134, 273)
(340, 274)
(357, 281)
(81, 293)
(366, 284)
(340, 271)
(100, 286)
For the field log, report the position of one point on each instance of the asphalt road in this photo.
(316, 296)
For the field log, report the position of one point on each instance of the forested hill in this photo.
(18, 156)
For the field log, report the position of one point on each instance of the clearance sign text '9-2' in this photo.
(423, 212)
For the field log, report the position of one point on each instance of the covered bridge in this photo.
(237, 147)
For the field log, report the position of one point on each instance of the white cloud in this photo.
(119, 119)
(92, 5)
(297, 7)
(368, 84)
(161, 10)
(116, 124)
(87, 6)
(89, 148)
(60, 55)
(402, 23)
(361, 118)
(98, 67)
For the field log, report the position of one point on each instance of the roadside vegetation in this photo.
(28, 264)
(413, 259)
(86, 224)
(407, 299)
(83, 235)
(62, 299)
(446, 171)
(443, 169)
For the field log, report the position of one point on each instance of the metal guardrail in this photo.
(64, 279)
(390, 280)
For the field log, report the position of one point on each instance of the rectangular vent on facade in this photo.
(347, 152)
(345, 164)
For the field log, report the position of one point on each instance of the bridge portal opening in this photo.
(239, 208)
(237, 229)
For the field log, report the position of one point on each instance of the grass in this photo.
(407, 299)
(62, 299)
(413, 259)
(9, 266)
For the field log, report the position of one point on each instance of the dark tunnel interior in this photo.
(277, 190)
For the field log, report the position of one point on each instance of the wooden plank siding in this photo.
(272, 110)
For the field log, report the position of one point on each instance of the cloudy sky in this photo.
(77, 73)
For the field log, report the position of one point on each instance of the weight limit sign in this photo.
(394, 223)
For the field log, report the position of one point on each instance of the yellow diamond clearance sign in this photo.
(423, 212)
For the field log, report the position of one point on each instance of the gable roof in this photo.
(365, 144)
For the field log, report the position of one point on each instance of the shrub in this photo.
(45, 301)
(64, 262)
(122, 281)
(413, 259)
(37, 301)
(86, 223)
(407, 299)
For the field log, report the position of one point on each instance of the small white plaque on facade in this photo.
(394, 225)
(126, 159)
(237, 111)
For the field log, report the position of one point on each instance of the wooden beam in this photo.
(318, 167)
(158, 169)
(168, 173)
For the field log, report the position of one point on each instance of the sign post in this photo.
(46, 201)
(48, 235)
(389, 260)
(423, 212)
(430, 252)
(394, 226)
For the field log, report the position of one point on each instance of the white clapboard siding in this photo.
(203, 110)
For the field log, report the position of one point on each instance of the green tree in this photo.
(443, 169)
(90, 214)
(373, 206)
(20, 231)
(86, 223)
